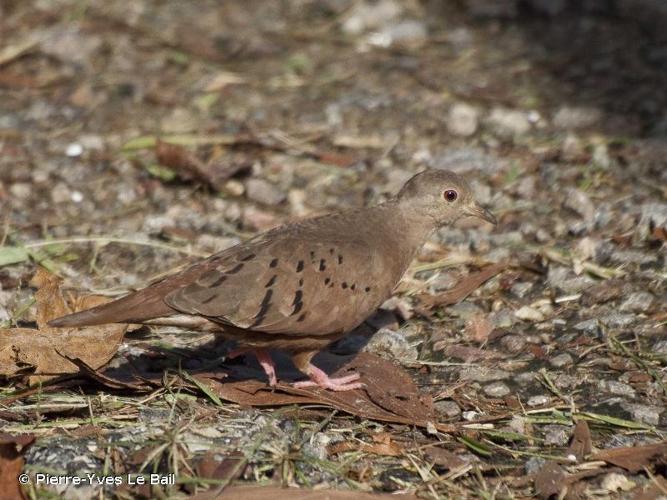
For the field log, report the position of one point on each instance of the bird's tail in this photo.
(134, 308)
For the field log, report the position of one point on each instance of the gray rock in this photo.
(410, 31)
(391, 345)
(618, 320)
(447, 408)
(497, 389)
(508, 123)
(371, 15)
(502, 319)
(588, 326)
(638, 302)
(513, 343)
(652, 215)
(482, 374)
(465, 310)
(262, 191)
(527, 313)
(538, 400)
(556, 435)
(524, 378)
(660, 347)
(574, 118)
(534, 464)
(616, 388)
(644, 413)
(467, 159)
(521, 288)
(462, 120)
(562, 278)
(562, 360)
(581, 203)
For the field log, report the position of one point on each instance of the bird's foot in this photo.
(320, 379)
(264, 360)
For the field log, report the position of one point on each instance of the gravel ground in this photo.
(555, 110)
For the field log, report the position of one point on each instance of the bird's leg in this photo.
(318, 378)
(264, 360)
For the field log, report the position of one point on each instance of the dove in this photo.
(303, 285)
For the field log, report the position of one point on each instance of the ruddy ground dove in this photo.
(301, 286)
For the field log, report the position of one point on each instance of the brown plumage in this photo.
(300, 286)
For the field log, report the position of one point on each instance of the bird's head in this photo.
(442, 196)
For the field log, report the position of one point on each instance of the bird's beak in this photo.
(478, 210)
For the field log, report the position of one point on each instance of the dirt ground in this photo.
(517, 361)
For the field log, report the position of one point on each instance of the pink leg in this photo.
(320, 379)
(264, 360)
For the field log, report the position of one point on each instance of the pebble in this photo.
(660, 346)
(617, 320)
(562, 279)
(521, 288)
(643, 413)
(556, 435)
(575, 118)
(588, 326)
(538, 400)
(502, 319)
(581, 203)
(482, 374)
(462, 120)
(73, 150)
(562, 360)
(20, 190)
(408, 32)
(365, 16)
(447, 408)
(527, 313)
(652, 215)
(497, 390)
(513, 343)
(534, 464)
(470, 415)
(391, 345)
(508, 123)
(262, 191)
(616, 388)
(615, 481)
(638, 302)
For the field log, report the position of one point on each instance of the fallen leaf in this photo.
(581, 444)
(43, 353)
(277, 493)
(550, 480)
(478, 328)
(390, 394)
(634, 458)
(11, 463)
(383, 445)
(229, 467)
(468, 285)
(444, 458)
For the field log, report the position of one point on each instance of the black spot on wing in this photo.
(263, 308)
(248, 257)
(235, 269)
(299, 266)
(323, 264)
(340, 259)
(273, 263)
(272, 281)
(221, 279)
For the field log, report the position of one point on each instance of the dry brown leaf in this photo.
(478, 328)
(468, 285)
(634, 458)
(581, 444)
(278, 493)
(550, 480)
(383, 445)
(11, 463)
(43, 352)
(444, 458)
(390, 394)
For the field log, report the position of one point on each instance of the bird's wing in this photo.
(290, 285)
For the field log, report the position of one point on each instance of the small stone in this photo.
(588, 326)
(638, 302)
(539, 400)
(534, 464)
(581, 203)
(409, 32)
(497, 390)
(643, 413)
(391, 345)
(527, 313)
(462, 120)
(521, 288)
(617, 320)
(61, 193)
(615, 481)
(262, 191)
(470, 415)
(653, 215)
(561, 360)
(513, 343)
(509, 123)
(502, 319)
(20, 190)
(575, 118)
(73, 150)
(660, 346)
(482, 374)
(556, 435)
(447, 408)
(616, 388)
(366, 16)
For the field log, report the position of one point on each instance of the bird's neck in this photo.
(405, 230)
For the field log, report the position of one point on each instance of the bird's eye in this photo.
(450, 195)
